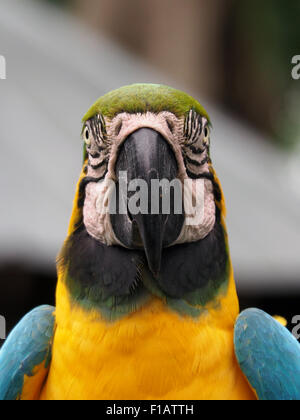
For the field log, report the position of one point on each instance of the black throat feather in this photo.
(116, 281)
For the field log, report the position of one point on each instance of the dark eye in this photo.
(206, 139)
(87, 136)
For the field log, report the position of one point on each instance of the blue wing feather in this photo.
(28, 346)
(268, 355)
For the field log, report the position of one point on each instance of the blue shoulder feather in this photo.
(28, 346)
(268, 355)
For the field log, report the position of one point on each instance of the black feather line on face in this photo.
(100, 149)
(193, 127)
(195, 162)
(95, 155)
(99, 165)
(103, 125)
(195, 150)
(98, 128)
(206, 175)
(99, 142)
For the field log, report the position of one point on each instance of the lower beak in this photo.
(146, 156)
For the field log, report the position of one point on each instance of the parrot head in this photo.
(148, 217)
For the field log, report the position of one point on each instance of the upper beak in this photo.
(146, 155)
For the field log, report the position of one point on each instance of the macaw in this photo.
(146, 304)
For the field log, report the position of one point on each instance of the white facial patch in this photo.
(96, 212)
(97, 221)
(200, 211)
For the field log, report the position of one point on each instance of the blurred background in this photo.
(234, 56)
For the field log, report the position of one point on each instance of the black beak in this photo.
(146, 155)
